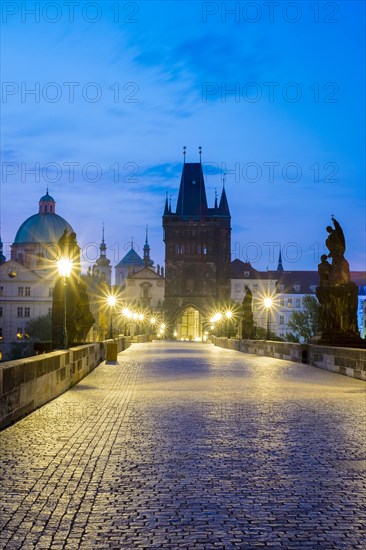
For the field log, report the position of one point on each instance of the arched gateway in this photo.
(188, 323)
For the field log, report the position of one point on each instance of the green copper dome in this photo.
(42, 228)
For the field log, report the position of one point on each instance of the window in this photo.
(282, 302)
(50, 291)
(20, 312)
(1, 311)
(298, 302)
(246, 274)
(289, 302)
(27, 312)
(237, 287)
(20, 291)
(1, 290)
(282, 287)
(297, 288)
(50, 311)
(204, 250)
(27, 291)
(282, 319)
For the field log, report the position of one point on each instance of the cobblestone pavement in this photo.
(190, 446)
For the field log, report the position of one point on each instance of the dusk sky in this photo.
(274, 93)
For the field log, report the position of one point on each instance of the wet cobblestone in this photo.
(190, 446)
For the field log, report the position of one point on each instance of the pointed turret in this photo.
(2, 257)
(102, 265)
(224, 205)
(147, 261)
(280, 266)
(103, 246)
(166, 208)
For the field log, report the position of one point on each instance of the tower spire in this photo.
(103, 247)
(166, 208)
(279, 265)
(147, 260)
(184, 154)
(200, 153)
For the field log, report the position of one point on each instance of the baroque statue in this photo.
(337, 294)
(247, 324)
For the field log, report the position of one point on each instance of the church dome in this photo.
(42, 228)
(35, 244)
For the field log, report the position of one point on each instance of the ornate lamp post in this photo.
(152, 325)
(228, 315)
(64, 266)
(111, 302)
(268, 304)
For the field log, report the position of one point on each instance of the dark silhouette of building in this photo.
(197, 255)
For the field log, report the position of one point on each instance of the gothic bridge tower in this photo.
(197, 255)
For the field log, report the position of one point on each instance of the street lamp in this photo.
(111, 302)
(268, 304)
(152, 324)
(64, 266)
(228, 315)
(140, 318)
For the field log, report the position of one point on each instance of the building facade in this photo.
(197, 255)
(27, 280)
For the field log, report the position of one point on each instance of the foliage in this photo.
(40, 328)
(306, 323)
(261, 334)
(291, 337)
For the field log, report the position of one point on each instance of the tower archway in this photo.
(188, 323)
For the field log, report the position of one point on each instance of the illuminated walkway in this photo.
(190, 446)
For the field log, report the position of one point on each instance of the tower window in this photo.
(27, 312)
(20, 291)
(27, 291)
(20, 312)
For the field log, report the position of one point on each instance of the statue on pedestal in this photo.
(247, 324)
(337, 294)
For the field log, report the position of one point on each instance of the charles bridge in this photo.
(183, 445)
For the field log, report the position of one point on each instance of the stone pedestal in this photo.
(338, 315)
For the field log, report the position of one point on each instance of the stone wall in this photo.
(26, 384)
(348, 361)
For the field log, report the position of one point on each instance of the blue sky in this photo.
(275, 99)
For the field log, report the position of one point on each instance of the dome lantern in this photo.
(47, 204)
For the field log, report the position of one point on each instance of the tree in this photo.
(291, 337)
(261, 334)
(39, 329)
(306, 323)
